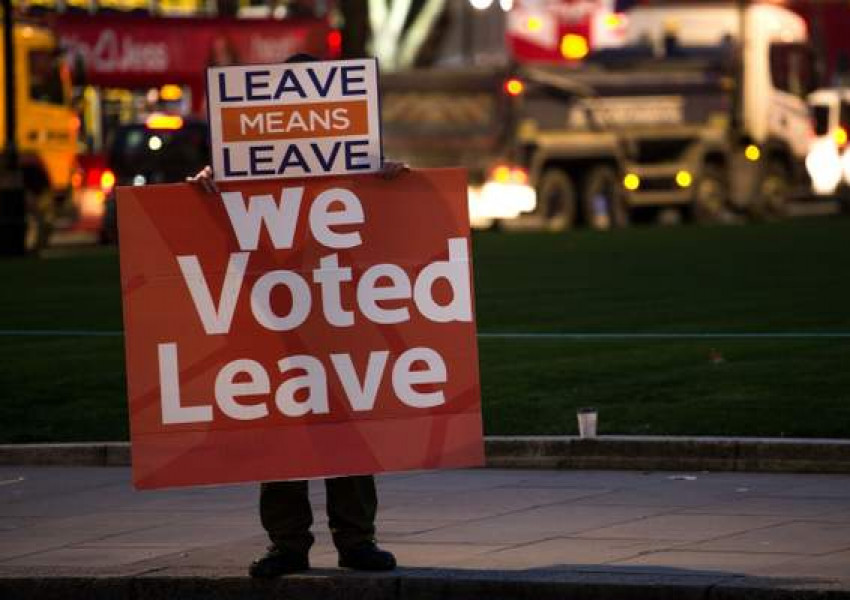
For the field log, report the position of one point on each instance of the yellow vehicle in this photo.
(46, 127)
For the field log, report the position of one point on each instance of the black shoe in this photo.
(367, 557)
(277, 562)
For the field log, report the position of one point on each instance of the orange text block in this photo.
(294, 121)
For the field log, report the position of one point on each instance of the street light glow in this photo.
(481, 4)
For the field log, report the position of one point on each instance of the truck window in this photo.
(792, 69)
(45, 77)
(844, 115)
(820, 116)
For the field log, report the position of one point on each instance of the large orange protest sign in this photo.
(292, 329)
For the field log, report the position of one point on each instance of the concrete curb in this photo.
(82, 454)
(421, 583)
(657, 453)
(645, 453)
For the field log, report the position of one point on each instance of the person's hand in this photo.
(391, 169)
(204, 178)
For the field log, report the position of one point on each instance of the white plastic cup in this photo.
(587, 418)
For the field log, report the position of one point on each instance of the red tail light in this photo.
(334, 43)
(100, 178)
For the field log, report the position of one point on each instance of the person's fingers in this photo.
(204, 178)
(210, 186)
(392, 169)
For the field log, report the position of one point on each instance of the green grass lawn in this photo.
(790, 277)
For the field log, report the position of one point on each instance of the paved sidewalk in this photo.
(69, 532)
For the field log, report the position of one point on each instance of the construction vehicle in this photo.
(47, 126)
(683, 115)
(442, 117)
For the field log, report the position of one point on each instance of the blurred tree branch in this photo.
(399, 28)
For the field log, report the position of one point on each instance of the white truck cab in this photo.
(777, 63)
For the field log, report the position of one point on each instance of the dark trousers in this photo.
(286, 514)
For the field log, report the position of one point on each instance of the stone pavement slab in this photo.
(70, 532)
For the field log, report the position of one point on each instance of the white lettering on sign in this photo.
(285, 122)
(307, 392)
(383, 294)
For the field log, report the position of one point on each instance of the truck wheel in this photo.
(842, 199)
(556, 199)
(38, 221)
(603, 199)
(771, 201)
(711, 196)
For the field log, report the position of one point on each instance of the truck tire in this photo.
(842, 197)
(556, 200)
(772, 193)
(603, 200)
(38, 220)
(711, 196)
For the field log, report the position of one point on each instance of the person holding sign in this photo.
(285, 511)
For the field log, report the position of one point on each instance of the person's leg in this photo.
(352, 506)
(286, 516)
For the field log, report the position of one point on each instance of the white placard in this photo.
(302, 119)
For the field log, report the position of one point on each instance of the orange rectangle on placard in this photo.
(294, 121)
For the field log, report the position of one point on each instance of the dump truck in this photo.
(682, 116)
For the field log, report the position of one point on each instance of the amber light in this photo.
(107, 180)
(839, 135)
(514, 87)
(752, 152)
(170, 92)
(502, 174)
(162, 121)
(506, 174)
(614, 20)
(534, 24)
(574, 46)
